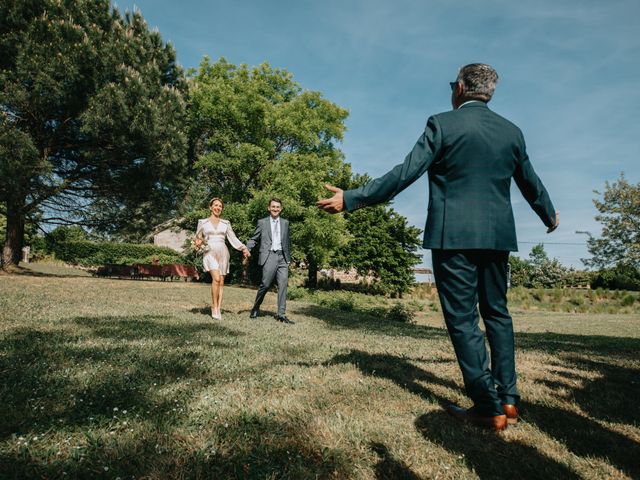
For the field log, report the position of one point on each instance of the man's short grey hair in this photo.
(479, 81)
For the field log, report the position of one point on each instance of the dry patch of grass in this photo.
(115, 378)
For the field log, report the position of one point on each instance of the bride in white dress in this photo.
(212, 232)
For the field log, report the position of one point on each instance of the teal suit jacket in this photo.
(471, 155)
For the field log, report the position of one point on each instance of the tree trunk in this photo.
(312, 279)
(15, 235)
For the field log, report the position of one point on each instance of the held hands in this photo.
(334, 204)
(246, 253)
(551, 229)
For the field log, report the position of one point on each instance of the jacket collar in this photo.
(473, 104)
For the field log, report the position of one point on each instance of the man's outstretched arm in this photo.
(416, 163)
(334, 204)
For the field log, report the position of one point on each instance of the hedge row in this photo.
(620, 277)
(91, 254)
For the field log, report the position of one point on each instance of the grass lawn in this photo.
(105, 378)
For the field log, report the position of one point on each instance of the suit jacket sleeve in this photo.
(255, 238)
(533, 190)
(416, 163)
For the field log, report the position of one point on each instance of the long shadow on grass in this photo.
(388, 467)
(488, 454)
(151, 327)
(613, 395)
(54, 379)
(550, 342)
(27, 272)
(399, 370)
(365, 320)
(582, 436)
(244, 447)
(585, 437)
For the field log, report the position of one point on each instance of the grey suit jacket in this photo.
(263, 235)
(471, 155)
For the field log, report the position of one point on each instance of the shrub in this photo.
(621, 277)
(90, 254)
(342, 303)
(64, 234)
(296, 293)
(400, 313)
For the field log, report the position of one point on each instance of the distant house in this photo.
(170, 234)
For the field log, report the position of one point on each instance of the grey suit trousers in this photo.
(276, 267)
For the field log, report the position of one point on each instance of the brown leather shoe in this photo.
(497, 423)
(511, 411)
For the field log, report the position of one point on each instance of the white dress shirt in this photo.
(276, 234)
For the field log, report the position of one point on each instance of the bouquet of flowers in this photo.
(198, 246)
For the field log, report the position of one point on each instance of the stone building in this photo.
(170, 234)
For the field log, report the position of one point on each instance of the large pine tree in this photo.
(91, 118)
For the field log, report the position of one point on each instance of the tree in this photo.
(255, 133)
(91, 118)
(620, 217)
(382, 246)
(539, 271)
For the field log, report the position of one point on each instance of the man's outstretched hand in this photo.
(551, 229)
(334, 204)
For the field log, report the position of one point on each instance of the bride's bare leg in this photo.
(215, 295)
(220, 289)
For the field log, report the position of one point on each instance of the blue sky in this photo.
(569, 78)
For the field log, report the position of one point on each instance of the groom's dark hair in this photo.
(275, 199)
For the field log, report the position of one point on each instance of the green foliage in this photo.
(61, 234)
(88, 253)
(401, 313)
(620, 217)
(382, 245)
(541, 272)
(345, 302)
(621, 277)
(255, 133)
(92, 117)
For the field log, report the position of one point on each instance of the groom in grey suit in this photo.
(275, 256)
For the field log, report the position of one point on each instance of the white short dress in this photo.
(216, 256)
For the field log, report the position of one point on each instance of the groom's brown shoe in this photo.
(511, 411)
(495, 423)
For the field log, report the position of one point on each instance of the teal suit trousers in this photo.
(466, 280)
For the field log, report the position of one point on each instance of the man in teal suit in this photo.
(471, 154)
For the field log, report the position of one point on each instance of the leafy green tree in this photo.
(539, 271)
(621, 277)
(72, 233)
(255, 133)
(382, 246)
(91, 118)
(521, 272)
(620, 217)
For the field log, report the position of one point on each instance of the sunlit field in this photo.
(107, 378)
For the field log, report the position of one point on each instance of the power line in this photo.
(553, 243)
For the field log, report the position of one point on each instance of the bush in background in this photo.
(620, 277)
(91, 254)
(539, 271)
